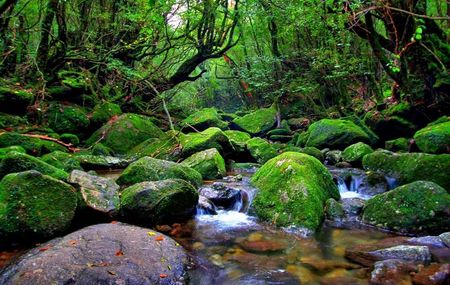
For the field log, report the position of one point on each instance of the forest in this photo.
(225, 142)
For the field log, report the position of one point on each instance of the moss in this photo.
(388, 127)
(356, 152)
(18, 162)
(125, 132)
(400, 144)
(70, 139)
(336, 134)
(203, 119)
(99, 162)
(373, 138)
(261, 150)
(314, 152)
(414, 207)
(228, 117)
(280, 138)
(293, 190)
(66, 119)
(33, 146)
(237, 139)
(442, 119)
(302, 138)
(103, 112)
(401, 109)
(279, 132)
(209, 138)
(62, 160)
(100, 149)
(35, 205)
(434, 138)
(159, 202)
(11, 121)
(410, 167)
(151, 169)
(209, 163)
(72, 79)
(5, 150)
(258, 122)
(14, 100)
(165, 148)
(334, 210)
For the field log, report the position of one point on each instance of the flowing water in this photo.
(233, 247)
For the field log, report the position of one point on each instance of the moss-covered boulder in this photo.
(434, 138)
(334, 211)
(356, 152)
(62, 160)
(70, 139)
(261, 150)
(165, 148)
(33, 146)
(257, 123)
(159, 202)
(100, 149)
(18, 162)
(293, 190)
(125, 132)
(410, 167)
(209, 163)
(66, 119)
(152, 169)
(335, 134)
(209, 138)
(5, 150)
(103, 112)
(400, 145)
(11, 121)
(203, 119)
(314, 152)
(15, 99)
(414, 207)
(98, 193)
(238, 139)
(300, 139)
(33, 205)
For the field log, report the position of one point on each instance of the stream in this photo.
(233, 247)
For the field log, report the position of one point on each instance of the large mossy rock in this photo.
(238, 139)
(5, 150)
(434, 138)
(33, 205)
(293, 190)
(335, 134)
(415, 207)
(356, 152)
(102, 254)
(261, 150)
(257, 123)
(400, 145)
(209, 163)
(62, 160)
(125, 132)
(203, 119)
(103, 112)
(209, 138)
(11, 121)
(163, 148)
(15, 100)
(33, 146)
(159, 202)
(410, 167)
(66, 119)
(18, 162)
(152, 169)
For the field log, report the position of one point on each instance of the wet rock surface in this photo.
(221, 194)
(102, 254)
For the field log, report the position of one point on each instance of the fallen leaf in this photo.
(112, 272)
(151, 234)
(44, 248)
(163, 275)
(159, 238)
(114, 222)
(73, 242)
(119, 253)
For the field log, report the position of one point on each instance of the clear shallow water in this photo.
(233, 247)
